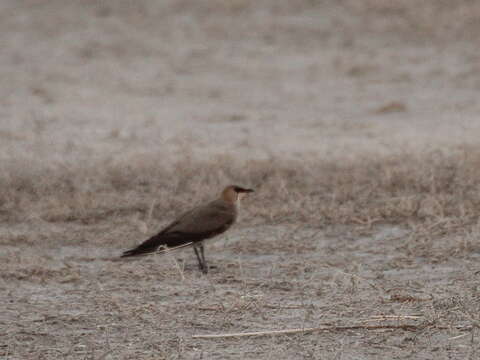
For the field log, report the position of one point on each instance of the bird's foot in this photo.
(209, 267)
(203, 268)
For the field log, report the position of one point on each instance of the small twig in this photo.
(284, 307)
(268, 306)
(168, 252)
(458, 336)
(178, 267)
(150, 211)
(308, 331)
(393, 317)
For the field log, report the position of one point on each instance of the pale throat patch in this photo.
(240, 196)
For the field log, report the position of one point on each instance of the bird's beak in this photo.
(243, 193)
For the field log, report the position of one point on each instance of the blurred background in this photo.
(118, 80)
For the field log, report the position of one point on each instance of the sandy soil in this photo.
(96, 82)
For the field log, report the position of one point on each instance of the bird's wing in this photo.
(204, 220)
(198, 224)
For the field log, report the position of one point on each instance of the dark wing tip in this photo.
(136, 251)
(128, 253)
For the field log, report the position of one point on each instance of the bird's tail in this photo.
(136, 252)
(144, 248)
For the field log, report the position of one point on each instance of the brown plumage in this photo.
(195, 226)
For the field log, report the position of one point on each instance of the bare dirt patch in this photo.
(355, 121)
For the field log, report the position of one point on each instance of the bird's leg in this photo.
(200, 262)
(202, 254)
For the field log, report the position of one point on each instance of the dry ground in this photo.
(355, 121)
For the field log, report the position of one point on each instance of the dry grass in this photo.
(439, 187)
(330, 259)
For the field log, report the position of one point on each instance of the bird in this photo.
(195, 226)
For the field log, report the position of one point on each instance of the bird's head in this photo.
(234, 193)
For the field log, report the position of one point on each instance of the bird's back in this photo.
(204, 219)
